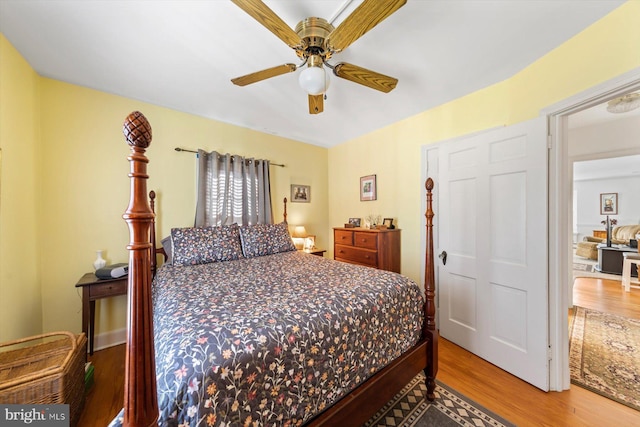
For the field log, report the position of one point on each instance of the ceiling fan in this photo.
(315, 41)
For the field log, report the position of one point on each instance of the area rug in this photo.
(410, 408)
(604, 354)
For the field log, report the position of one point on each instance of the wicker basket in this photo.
(47, 368)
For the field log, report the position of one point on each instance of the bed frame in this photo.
(140, 395)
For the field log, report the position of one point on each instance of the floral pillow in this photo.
(201, 245)
(265, 239)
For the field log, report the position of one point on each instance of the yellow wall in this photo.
(606, 49)
(75, 173)
(86, 188)
(20, 298)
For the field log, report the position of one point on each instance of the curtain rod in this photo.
(191, 151)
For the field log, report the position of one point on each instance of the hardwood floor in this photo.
(502, 393)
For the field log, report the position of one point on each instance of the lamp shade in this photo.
(314, 80)
(299, 231)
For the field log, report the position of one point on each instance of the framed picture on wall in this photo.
(368, 188)
(608, 203)
(300, 193)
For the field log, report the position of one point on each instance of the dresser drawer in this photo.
(108, 288)
(365, 240)
(357, 255)
(343, 237)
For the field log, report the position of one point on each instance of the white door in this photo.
(492, 206)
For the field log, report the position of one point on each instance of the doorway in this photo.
(561, 209)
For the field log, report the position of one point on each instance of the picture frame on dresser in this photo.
(355, 222)
(368, 188)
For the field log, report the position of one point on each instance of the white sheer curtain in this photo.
(232, 189)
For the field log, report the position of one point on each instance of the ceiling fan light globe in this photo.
(314, 80)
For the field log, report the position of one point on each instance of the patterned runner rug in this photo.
(410, 408)
(604, 355)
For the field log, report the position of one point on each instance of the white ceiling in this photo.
(182, 55)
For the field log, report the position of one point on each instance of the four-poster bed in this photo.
(261, 355)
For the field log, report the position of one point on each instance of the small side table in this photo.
(318, 252)
(629, 259)
(92, 290)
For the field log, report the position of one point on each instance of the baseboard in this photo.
(109, 339)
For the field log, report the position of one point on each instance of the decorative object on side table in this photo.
(368, 188)
(309, 242)
(300, 193)
(608, 224)
(99, 262)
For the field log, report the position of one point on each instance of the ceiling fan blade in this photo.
(272, 22)
(365, 77)
(264, 74)
(366, 16)
(316, 104)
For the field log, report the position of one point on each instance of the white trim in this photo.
(560, 196)
(109, 339)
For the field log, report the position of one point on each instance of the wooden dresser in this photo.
(373, 248)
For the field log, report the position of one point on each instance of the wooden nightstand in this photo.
(319, 252)
(92, 290)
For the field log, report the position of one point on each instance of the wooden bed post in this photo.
(429, 329)
(140, 398)
(285, 209)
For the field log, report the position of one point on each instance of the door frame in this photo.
(560, 207)
(559, 211)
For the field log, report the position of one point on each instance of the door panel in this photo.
(493, 225)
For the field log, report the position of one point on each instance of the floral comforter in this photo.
(274, 340)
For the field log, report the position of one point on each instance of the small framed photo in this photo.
(608, 203)
(355, 222)
(388, 222)
(310, 242)
(368, 188)
(300, 193)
